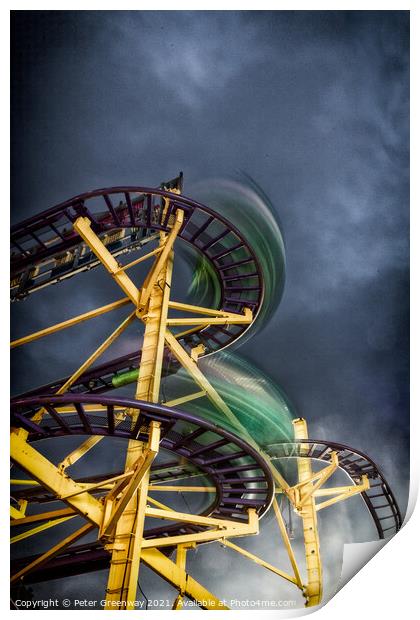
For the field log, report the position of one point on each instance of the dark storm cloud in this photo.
(314, 106)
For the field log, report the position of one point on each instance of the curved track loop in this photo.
(379, 498)
(241, 475)
(46, 249)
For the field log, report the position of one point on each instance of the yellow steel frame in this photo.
(119, 515)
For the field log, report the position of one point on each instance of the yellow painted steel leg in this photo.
(128, 487)
(126, 544)
(121, 590)
(313, 590)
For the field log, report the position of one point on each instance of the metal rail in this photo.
(379, 499)
(46, 249)
(91, 557)
(241, 475)
(98, 379)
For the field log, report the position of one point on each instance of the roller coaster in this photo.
(238, 457)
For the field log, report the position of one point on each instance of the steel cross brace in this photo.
(181, 562)
(118, 498)
(51, 553)
(176, 576)
(307, 487)
(83, 227)
(53, 479)
(76, 495)
(341, 493)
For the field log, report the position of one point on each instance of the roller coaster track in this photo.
(99, 378)
(241, 475)
(45, 249)
(379, 499)
(239, 485)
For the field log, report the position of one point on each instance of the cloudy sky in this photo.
(312, 105)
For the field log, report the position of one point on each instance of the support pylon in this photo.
(120, 514)
(307, 511)
(123, 575)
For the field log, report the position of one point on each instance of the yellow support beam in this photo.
(51, 478)
(79, 452)
(83, 227)
(51, 553)
(184, 399)
(181, 562)
(92, 441)
(141, 259)
(140, 469)
(101, 349)
(70, 322)
(199, 537)
(92, 358)
(176, 576)
(98, 485)
(192, 368)
(343, 495)
(160, 263)
(156, 503)
(237, 320)
(287, 543)
(261, 562)
(39, 528)
(307, 511)
(343, 489)
(185, 517)
(176, 305)
(43, 516)
(221, 528)
(181, 489)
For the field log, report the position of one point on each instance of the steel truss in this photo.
(241, 475)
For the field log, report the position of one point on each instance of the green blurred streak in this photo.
(246, 206)
(260, 406)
